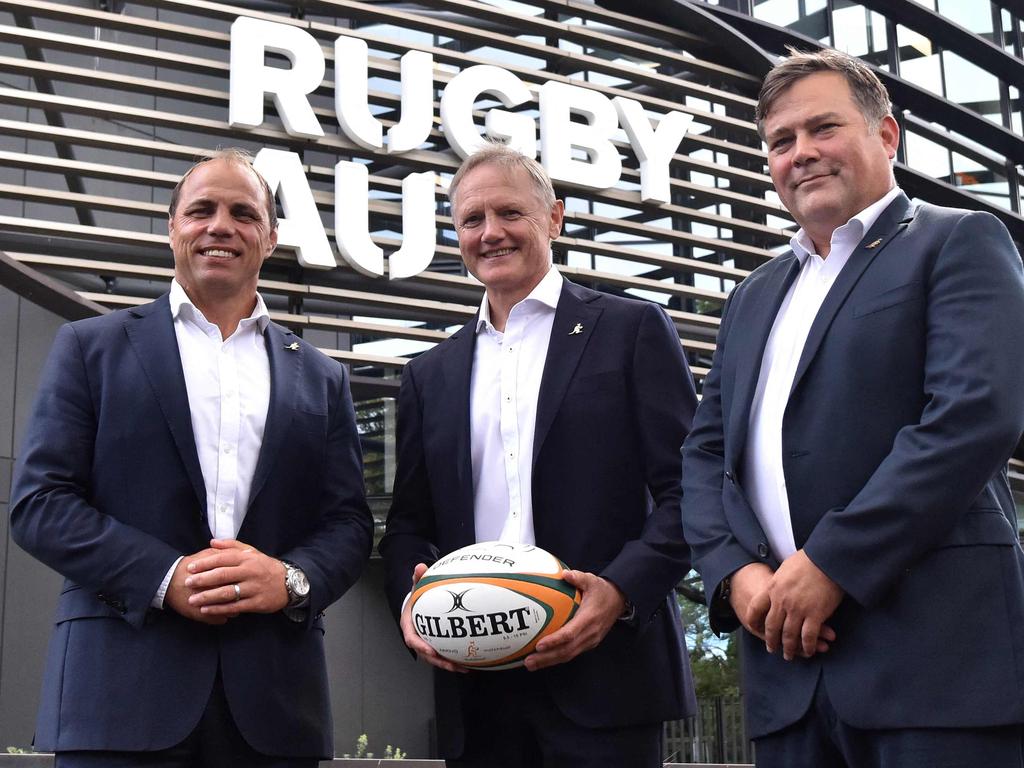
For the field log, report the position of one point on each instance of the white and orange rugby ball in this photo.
(486, 606)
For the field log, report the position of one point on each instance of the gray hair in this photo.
(504, 156)
(236, 156)
(868, 92)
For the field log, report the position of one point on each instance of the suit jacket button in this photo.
(762, 550)
(728, 476)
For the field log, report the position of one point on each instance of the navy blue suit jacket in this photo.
(907, 403)
(615, 403)
(108, 491)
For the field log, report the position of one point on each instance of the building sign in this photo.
(562, 138)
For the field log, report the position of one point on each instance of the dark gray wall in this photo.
(376, 688)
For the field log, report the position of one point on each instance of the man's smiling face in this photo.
(505, 229)
(220, 234)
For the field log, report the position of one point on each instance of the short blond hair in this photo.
(504, 156)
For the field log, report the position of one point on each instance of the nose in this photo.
(805, 150)
(221, 222)
(494, 228)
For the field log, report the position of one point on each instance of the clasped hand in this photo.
(203, 587)
(787, 608)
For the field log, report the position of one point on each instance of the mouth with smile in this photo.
(497, 253)
(813, 178)
(214, 252)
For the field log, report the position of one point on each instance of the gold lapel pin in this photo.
(875, 244)
(294, 346)
(578, 328)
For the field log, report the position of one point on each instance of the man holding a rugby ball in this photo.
(553, 418)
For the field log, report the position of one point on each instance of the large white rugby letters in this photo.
(517, 129)
(579, 152)
(251, 80)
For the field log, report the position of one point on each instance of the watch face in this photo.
(298, 584)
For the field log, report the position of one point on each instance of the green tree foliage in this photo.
(714, 660)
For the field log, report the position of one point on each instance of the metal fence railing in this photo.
(716, 734)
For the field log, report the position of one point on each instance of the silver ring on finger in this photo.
(238, 592)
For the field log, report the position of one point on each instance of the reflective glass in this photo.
(927, 157)
(971, 86)
(978, 179)
(851, 30)
(974, 15)
(918, 62)
(781, 12)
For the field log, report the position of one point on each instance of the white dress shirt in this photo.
(228, 385)
(764, 477)
(504, 388)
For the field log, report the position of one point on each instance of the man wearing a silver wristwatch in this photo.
(193, 471)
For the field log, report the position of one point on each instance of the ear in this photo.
(272, 240)
(557, 214)
(889, 131)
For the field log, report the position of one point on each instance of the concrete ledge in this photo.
(45, 760)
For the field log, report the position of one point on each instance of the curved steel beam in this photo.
(736, 31)
(907, 95)
(733, 46)
(917, 184)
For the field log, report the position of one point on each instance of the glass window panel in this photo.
(879, 41)
(580, 259)
(781, 12)
(975, 15)
(918, 63)
(988, 182)
(971, 86)
(707, 282)
(927, 157)
(851, 33)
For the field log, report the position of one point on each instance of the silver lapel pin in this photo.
(875, 244)
(294, 346)
(578, 328)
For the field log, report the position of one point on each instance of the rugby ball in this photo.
(486, 606)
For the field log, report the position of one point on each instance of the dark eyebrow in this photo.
(243, 207)
(823, 117)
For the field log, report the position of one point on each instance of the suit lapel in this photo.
(892, 221)
(750, 346)
(285, 357)
(456, 370)
(150, 331)
(573, 326)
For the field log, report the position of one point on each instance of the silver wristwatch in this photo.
(297, 584)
